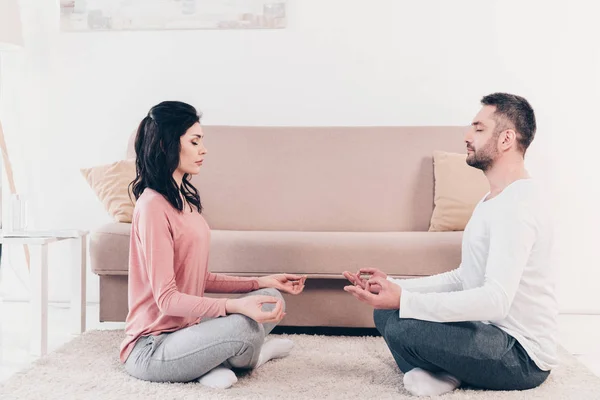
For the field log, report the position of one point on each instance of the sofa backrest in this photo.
(370, 179)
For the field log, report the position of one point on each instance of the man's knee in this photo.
(404, 333)
(380, 318)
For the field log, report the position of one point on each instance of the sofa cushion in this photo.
(457, 190)
(109, 249)
(110, 183)
(328, 254)
(318, 254)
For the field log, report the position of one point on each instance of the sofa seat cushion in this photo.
(328, 254)
(109, 249)
(318, 254)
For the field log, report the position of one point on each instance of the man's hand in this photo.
(357, 280)
(288, 283)
(388, 297)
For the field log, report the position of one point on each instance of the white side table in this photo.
(38, 242)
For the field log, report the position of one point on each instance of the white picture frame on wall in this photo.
(131, 15)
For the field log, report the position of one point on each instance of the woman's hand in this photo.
(251, 307)
(288, 283)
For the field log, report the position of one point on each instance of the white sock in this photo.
(218, 378)
(275, 348)
(424, 383)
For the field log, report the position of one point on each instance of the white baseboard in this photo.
(50, 302)
(580, 311)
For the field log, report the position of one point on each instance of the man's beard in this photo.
(483, 158)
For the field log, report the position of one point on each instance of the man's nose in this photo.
(468, 136)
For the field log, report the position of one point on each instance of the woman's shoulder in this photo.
(151, 201)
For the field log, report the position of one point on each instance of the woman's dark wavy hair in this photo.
(157, 147)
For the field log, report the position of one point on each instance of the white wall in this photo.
(378, 62)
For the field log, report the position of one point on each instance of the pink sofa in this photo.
(309, 200)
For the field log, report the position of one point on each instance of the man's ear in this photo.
(508, 138)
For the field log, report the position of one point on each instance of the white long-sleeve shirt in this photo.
(506, 276)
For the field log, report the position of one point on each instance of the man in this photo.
(491, 322)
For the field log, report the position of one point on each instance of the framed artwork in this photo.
(130, 15)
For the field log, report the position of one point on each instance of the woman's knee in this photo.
(273, 293)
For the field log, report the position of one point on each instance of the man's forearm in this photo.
(446, 282)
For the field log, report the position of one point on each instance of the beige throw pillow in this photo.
(458, 189)
(110, 183)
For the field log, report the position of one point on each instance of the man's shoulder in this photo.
(526, 192)
(530, 200)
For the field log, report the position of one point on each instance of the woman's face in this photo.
(192, 151)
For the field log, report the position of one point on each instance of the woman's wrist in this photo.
(231, 306)
(261, 282)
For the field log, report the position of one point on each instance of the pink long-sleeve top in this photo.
(168, 271)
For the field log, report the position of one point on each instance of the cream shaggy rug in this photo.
(320, 367)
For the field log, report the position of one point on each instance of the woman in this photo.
(175, 333)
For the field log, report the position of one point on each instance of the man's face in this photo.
(482, 140)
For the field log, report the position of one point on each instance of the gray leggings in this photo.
(189, 353)
(480, 355)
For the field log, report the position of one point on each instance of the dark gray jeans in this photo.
(189, 353)
(480, 355)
